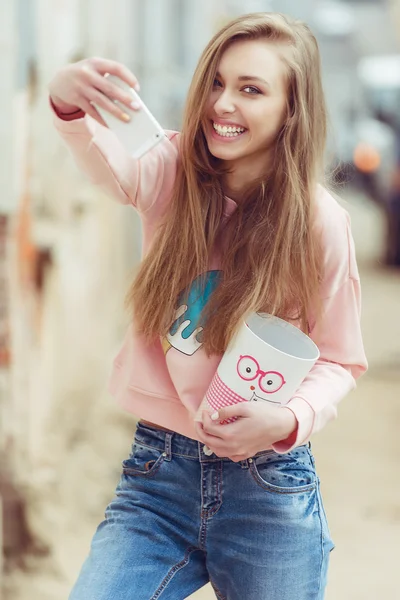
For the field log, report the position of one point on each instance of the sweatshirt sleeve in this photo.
(342, 358)
(99, 154)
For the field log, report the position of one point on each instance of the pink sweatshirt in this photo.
(164, 382)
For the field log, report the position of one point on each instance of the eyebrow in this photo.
(249, 78)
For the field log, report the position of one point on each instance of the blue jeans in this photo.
(255, 529)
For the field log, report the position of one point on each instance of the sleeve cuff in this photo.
(76, 123)
(305, 419)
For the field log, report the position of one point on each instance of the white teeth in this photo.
(228, 131)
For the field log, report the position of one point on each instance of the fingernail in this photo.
(125, 117)
(135, 105)
(215, 416)
(137, 87)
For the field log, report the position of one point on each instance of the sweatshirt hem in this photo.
(160, 410)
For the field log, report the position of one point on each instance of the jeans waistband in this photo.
(176, 444)
(172, 443)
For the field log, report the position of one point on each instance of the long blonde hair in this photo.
(270, 256)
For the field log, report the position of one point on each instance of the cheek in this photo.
(269, 119)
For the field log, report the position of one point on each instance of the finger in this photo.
(201, 436)
(209, 440)
(215, 425)
(218, 449)
(101, 100)
(90, 110)
(211, 427)
(113, 91)
(241, 409)
(217, 429)
(103, 66)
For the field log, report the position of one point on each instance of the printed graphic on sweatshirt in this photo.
(185, 334)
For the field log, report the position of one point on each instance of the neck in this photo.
(241, 176)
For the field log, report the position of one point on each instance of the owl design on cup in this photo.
(266, 361)
(251, 384)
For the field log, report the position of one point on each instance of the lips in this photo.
(222, 137)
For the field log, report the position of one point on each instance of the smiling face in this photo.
(247, 105)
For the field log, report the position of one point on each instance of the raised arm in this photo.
(95, 148)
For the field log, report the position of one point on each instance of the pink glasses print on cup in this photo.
(249, 369)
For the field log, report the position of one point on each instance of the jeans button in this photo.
(207, 451)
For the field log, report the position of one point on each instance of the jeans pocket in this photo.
(289, 473)
(143, 461)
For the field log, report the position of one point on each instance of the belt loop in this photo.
(168, 446)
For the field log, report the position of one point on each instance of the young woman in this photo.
(235, 220)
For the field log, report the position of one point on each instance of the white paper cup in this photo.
(267, 361)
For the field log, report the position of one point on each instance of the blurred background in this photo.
(67, 255)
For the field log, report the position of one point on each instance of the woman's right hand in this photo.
(76, 86)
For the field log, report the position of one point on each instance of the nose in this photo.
(252, 388)
(224, 104)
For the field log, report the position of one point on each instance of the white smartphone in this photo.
(142, 132)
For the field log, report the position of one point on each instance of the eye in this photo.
(247, 368)
(253, 90)
(217, 83)
(271, 382)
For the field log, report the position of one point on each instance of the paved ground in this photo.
(357, 458)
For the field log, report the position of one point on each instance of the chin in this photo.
(223, 153)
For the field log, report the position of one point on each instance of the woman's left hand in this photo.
(257, 427)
